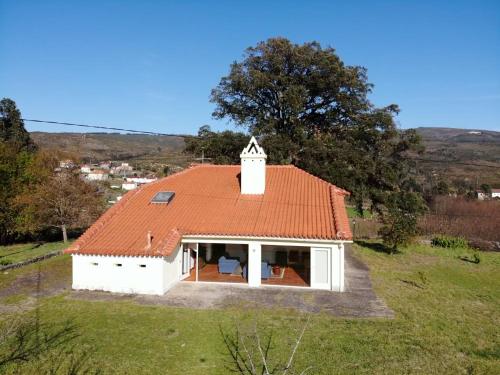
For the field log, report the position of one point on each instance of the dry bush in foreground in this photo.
(250, 351)
(474, 220)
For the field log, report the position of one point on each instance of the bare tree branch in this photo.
(290, 361)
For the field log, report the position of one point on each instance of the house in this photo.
(66, 164)
(105, 165)
(140, 180)
(123, 170)
(481, 195)
(495, 193)
(85, 168)
(129, 186)
(97, 175)
(251, 223)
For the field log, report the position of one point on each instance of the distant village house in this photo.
(97, 175)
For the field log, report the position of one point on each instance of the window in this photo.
(142, 265)
(94, 263)
(163, 197)
(118, 264)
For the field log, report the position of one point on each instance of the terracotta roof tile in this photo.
(208, 202)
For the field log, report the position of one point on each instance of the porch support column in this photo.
(197, 248)
(254, 264)
(208, 246)
(338, 267)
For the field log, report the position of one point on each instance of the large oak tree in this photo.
(312, 110)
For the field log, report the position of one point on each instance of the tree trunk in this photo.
(65, 235)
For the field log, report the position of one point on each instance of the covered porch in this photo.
(229, 263)
(270, 262)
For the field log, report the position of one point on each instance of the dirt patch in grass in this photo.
(46, 278)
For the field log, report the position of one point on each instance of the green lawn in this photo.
(447, 318)
(21, 252)
(353, 213)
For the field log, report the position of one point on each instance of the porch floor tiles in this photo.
(210, 272)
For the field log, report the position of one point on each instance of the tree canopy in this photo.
(67, 202)
(218, 147)
(312, 110)
(12, 128)
(33, 196)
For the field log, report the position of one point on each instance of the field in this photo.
(447, 318)
(477, 221)
(21, 252)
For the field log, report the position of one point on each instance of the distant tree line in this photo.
(33, 197)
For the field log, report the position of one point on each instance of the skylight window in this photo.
(163, 197)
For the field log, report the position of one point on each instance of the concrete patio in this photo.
(359, 299)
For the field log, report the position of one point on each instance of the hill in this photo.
(109, 146)
(472, 155)
(451, 154)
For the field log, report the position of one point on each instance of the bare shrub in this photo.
(461, 217)
(28, 345)
(250, 351)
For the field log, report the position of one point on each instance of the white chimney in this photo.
(253, 168)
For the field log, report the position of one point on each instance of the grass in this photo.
(447, 318)
(21, 252)
(353, 213)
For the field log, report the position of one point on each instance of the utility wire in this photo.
(186, 135)
(103, 127)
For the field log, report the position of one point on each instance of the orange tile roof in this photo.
(208, 202)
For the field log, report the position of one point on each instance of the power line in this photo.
(104, 127)
(186, 135)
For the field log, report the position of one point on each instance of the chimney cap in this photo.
(253, 150)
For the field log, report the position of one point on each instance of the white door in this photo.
(320, 267)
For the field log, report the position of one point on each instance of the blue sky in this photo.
(150, 65)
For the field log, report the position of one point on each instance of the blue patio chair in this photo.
(265, 271)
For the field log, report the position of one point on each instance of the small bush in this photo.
(449, 242)
(5, 262)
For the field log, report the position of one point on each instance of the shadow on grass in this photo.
(377, 247)
(475, 259)
(26, 343)
(29, 344)
(412, 283)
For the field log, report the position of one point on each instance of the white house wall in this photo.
(254, 264)
(337, 268)
(96, 272)
(142, 275)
